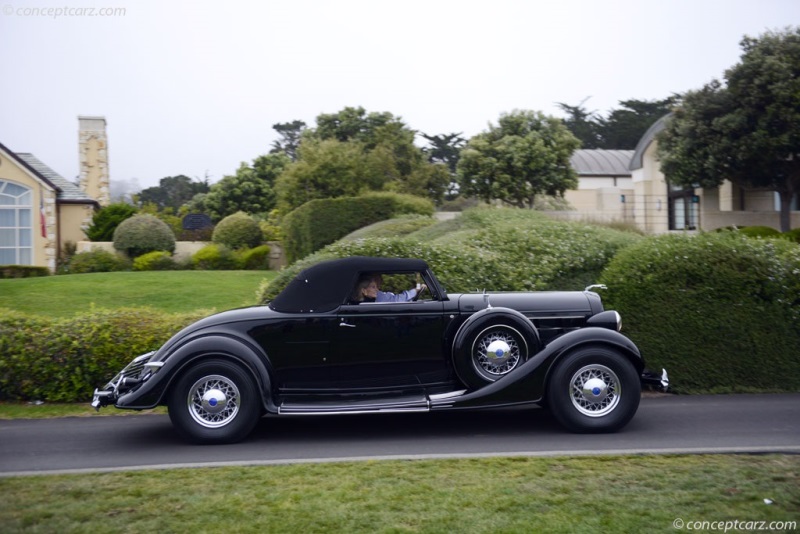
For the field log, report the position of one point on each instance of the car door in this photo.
(388, 345)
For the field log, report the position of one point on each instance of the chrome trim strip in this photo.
(449, 395)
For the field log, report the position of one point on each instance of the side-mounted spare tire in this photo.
(491, 344)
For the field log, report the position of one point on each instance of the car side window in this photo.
(389, 287)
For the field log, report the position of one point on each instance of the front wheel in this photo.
(594, 389)
(214, 402)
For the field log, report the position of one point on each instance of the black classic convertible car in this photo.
(368, 335)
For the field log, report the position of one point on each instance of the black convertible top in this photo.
(326, 285)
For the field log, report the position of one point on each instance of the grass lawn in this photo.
(169, 291)
(590, 494)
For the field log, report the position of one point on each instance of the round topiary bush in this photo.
(720, 311)
(158, 260)
(142, 234)
(238, 231)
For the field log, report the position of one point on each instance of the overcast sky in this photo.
(194, 87)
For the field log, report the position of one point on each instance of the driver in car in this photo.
(405, 296)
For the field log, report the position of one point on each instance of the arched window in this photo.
(16, 224)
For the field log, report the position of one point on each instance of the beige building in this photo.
(41, 210)
(628, 186)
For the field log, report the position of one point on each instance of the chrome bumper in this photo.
(135, 373)
(660, 381)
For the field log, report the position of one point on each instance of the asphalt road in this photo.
(664, 424)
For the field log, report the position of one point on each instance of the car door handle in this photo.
(347, 324)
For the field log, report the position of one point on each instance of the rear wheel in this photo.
(594, 389)
(214, 402)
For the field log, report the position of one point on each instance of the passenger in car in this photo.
(366, 290)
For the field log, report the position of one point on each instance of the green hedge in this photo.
(720, 311)
(64, 360)
(320, 222)
(494, 249)
(22, 271)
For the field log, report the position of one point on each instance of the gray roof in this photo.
(67, 191)
(601, 162)
(648, 137)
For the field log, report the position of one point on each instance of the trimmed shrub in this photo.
(238, 231)
(215, 258)
(320, 222)
(495, 249)
(720, 311)
(759, 231)
(97, 261)
(64, 360)
(792, 235)
(22, 271)
(106, 220)
(158, 260)
(396, 227)
(142, 234)
(255, 258)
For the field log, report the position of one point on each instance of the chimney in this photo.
(93, 158)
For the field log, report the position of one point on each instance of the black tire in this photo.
(213, 402)
(594, 390)
(492, 347)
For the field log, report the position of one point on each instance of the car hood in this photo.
(541, 303)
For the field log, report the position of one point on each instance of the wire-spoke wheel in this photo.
(497, 351)
(594, 389)
(215, 401)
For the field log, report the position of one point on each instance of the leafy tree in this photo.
(746, 132)
(351, 152)
(172, 192)
(445, 149)
(106, 220)
(329, 169)
(624, 127)
(290, 135)
(251, 189)
(582, 123)
(525, 155)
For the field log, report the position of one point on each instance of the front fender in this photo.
(527, 383)
(229, 347)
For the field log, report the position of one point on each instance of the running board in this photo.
(406, 403)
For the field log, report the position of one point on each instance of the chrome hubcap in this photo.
(213, 401)
(595, 390)
(496, 352)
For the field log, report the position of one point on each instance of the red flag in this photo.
(42, 220)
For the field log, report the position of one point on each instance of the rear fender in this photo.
(527, 383)
(153, 392)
